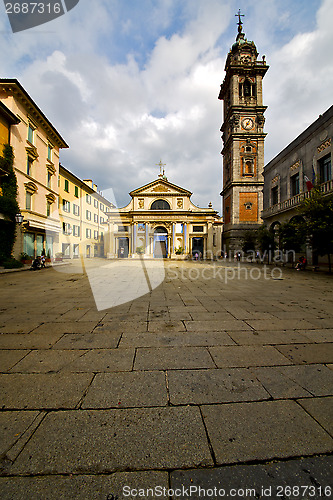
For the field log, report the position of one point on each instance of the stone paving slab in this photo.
(164, 339)
(46, 361)
(28, 340)
(127, 389)
(245, 356)
(280, 324)
(278, 384)
(121, 326)
(216, 326)
(324, 335)
(61, 327)
(149, 438)
(317, 379)
(263, 431)
(313, 477)
(39, 390)
(321, 409)
(103, 360)
(269, 337)
(18, 326)
(13, 425)
(92, 340)
(84, 487)
(308, 353)
(163, 358)
(9, 358)
(214, 386)
(166, 326)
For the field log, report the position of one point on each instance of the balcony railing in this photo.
(283, 206)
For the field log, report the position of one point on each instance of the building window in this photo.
(96, 235)
(76, 209)
(76, 192)
(88, 199)
(76, 250)
(88, 215)
(325, 169)
(48, 208)
(101, 207)
(275, 195)
(66, 186)
(49, 179)
(88, 233)
(96, 218)
(66, 228)
(96, 203)
(30, 133)
(101, 220)
(160, 205)
(49, 152)
(29, 166)
(66, 206)
(198, 229)
(76, 230)
(66, 250)
(294, 185)
(28, 201)
(122, 228)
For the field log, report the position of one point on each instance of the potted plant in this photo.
(25, 258)
(179, 251)
(140, 250)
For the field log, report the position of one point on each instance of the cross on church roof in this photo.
(160, 164)
(239, 15)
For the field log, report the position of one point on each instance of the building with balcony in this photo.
(161, 222)
(36, 145)
(290, 176)
(305, 160)
(82, 216)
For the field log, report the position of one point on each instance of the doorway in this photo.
(160, 243)
(123, 245)
(197, 247)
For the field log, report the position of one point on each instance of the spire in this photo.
(162, 172)
(240, 25)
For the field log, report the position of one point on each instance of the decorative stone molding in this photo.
(295, 166)
(324, 145)
(160, 189)
(275, 180)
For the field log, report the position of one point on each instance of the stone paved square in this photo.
(194, 375)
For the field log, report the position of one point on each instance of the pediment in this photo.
(160, 187)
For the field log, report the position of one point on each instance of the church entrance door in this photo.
(123, 248)
(197, 247)
(160, 243)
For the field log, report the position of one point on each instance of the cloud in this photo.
(128, 84)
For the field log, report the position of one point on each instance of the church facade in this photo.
(243, 141)
(161, 222)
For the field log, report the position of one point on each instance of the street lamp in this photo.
(19, 218)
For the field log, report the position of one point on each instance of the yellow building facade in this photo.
(36, 144)
(82, 216)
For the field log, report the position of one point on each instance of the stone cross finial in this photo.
(161, 165)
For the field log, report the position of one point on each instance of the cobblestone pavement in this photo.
(221, 378)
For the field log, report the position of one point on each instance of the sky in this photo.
(128, 83)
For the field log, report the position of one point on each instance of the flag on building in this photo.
(309, 184)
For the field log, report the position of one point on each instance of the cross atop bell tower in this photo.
(243, 140)
(240, 25)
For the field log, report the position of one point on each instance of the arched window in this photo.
(160, 205)
(247, 88)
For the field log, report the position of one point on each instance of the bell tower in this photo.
(243, 140)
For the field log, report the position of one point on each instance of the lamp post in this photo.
(19, 218)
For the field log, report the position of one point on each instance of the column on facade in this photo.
(134, 233)
(173, 237)
(169, 245)
(186, 248)
(147, 242)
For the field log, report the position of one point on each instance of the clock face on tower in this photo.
(247, 123)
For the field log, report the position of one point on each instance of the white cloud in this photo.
(128, 88)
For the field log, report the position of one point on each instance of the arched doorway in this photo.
(160, 243)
